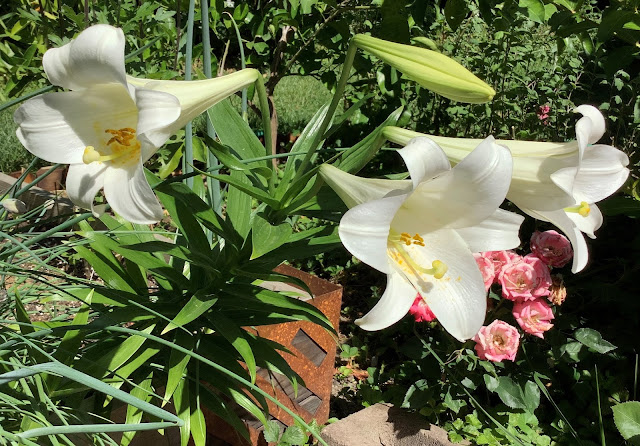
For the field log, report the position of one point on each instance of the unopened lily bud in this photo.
(14, 206)
(430, 69)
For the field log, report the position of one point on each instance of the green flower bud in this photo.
(430, 69)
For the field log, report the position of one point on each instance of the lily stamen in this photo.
(91, 155)
(438, 268)
(583, 209)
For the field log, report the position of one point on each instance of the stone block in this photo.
(384, 425)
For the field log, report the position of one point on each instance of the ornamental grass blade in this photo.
(98, 386)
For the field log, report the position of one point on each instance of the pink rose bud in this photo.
(552, 248)
(533, 316)
(497, 341)
(486, 268)
(525, 280)
(421, 311)
(500, 259)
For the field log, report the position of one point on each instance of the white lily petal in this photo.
(130, 195)
(424, 159)
(496, 233)
(393, 305)
(589, 224)
(602, 172)
(591, 127)
(83, 183)
(156, 111)
(364, 231)
(459, 299)
(354, 190)
(562, 221)
(96, 56)
(58, 126)
(461, 197)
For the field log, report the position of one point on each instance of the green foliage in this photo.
(627, 418)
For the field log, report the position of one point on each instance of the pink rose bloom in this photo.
(486, 268)
(543, 112)
(500, 259)
(533, 316)
(421, 311)
(552, 248)
(525, 280)
(497, 341)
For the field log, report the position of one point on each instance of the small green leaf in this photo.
(197, 305)
(272, 431)
(177, 364)
(294, 436)
(593, 339)
(535, 9)
(531, 396)
(510, 393)
(491, 382)
(266, 237)
(455, 11)
(627, 419)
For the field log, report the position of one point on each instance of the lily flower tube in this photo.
(555, 182)
(422, 233)
(109, 124)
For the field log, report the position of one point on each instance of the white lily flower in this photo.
(109, 124)
(422, 232)
(555, 182)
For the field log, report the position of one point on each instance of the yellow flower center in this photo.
(583, 209)
(121, 149)
(401, 255)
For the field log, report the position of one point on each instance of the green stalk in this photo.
(603, 441)
(266, 124)
(187, 160)
(243, 65)
(213, 185)
(37, 180)
(47, 234)
(344, 77)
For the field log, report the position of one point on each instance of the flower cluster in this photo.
(526, 281)
(543, 113)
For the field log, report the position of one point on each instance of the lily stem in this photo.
(266, 124)
(344, 77)
(187, 160)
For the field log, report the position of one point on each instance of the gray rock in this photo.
(384, 425)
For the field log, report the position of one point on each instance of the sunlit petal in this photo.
(496, 233)
(591, 127)
(58, 126)
(364, 231)
(96, 56)
(424, 159)
(459, 298)
(392, 306)
(463, 196)
(156, 111)
(130, 195)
